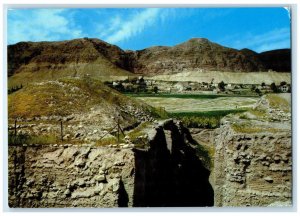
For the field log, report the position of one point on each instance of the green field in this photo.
(187, 96)
(209, 119)
(216, 113)
(197, 103)
(203, 111)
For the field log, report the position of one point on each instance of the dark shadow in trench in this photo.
(172, 177)
(123, 196)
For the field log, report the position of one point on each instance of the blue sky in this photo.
(259, 29)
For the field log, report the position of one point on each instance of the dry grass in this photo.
(20, 139)
(106, 141)
(64, 97)
(278, 102)
(250, 128)
(136, 134)
(258, 113)
(36, 101)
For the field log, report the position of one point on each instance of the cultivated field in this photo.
(199, 104)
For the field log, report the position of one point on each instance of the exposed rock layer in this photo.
(98, 58)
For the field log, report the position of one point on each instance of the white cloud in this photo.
(122, 30)
(113, 24)
(273, 46)
(275, 39)
(39, 25)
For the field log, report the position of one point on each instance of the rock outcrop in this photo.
(167, 172)
(253, 159)
(70, 176)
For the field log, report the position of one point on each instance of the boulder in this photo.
(100, 178)
(269, 179)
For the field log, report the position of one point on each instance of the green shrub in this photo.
(137, 135)
(210, 119)
(48, 139)
(21, 139)
(159, 112)
(221, 86)
(274, 88)
(206, 156)
(200, 122)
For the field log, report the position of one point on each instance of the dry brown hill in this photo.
(278, 60)
(201, 54)
(36, 61)
(29, 61)
(196, 54)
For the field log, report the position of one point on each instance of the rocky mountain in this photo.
(201, 54)
(195, 54)
(39, 61)
(278, 60)
(80, 54)
(29, 61)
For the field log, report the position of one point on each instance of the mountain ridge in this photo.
(97, 58)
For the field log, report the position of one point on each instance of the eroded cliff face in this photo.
(165, 173)
(253, 159)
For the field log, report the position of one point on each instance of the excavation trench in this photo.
(169, 173)
(165, 174)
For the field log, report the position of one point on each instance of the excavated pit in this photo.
(252, 167)
(166, 173)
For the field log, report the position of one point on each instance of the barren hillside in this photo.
(195, 54)
(37, 61)
(28, 61)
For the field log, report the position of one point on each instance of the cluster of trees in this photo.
(276, 89)
(221, 86)
(135, 85)
(255, 88)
